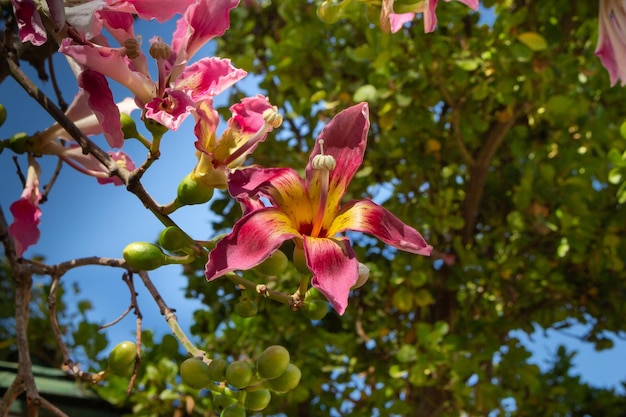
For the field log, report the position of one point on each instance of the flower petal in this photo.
(253, 239)
(284, 188)
(368, 217)
(100, 100)
(345, 138)
(171, 110)
(30, 26)
(611, 48)
(200, 23)
(334, 266)
(26, 212)
(208, 77)
(151, 9)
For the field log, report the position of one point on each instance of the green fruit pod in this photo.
(144, 256)
(238, 374)
(299, 260)
(173, 239)
(217, 370)
(3, 114)
(195, 373)
(275, 265)
(191, 191)
(258, 400)
(246, 308)
(234, 410)
(287, 381)
(315, 309)
(272, 362)
(122, 359)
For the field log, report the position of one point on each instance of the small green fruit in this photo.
(195, 373)
(19, 142)
(315, 309)
(192, 191)
(287, 381)
(122, 359)
(299, 260)
(173, 239)
(272, 362)
(169, 345)
(274, 265)
(234, 410)
(144, 256)
(239, 374)
(129, 128)
(246, 308)
(217, 370)
(3, 114)
(258, 400)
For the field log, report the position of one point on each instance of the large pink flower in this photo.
(611, 46)
(180, 86)
(26, 212)
(390, 21)
(309, 211)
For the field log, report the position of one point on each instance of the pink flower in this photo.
(390, 21)
(611, 46)
(26, 212)
(310, 212)
(179, 87)
(29, 24)
(248, 126)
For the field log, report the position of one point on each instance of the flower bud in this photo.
(173, 239)
(19, 142)
(129, 128)
(144, 256)
(274, 265)
(3, 114)
(299, 260)
(192, 191)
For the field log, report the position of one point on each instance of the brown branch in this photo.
(480, 169)
(48, 187)
(128, 279)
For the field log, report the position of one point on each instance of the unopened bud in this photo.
(129, 128)
(191, 191)
(144, 256)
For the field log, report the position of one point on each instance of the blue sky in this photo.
(82, 218)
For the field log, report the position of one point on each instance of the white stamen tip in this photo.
(272, 117)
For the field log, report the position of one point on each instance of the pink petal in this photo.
(430, 16)
(201, 22)
(253, 239)
(100, 100)
(124, 160)
(151, 9)
(368, 217)
(335, 268)
(248, 113)
(171, 110)
(30, 26)
(282, 186)
(611, 48)
(208, 77)
(397, 20)
(26, 212)
(111, 63)
(57, 13)
(345, 138)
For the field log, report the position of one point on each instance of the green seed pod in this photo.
(287, 381)
(315, 309)
(274, 265)
(246, 308)
(169, 345)
(234, 410)
(258, 400)
(129, 128)
(217, 370)
(154, 127)
(195, 373)
(173, 239)
(272, 362)
(122, 359)
(239, 374)
(192, 191)
(19, 142)
(144, 256)
(3, 114)
(299, 260)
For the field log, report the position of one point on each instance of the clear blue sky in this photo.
(82, 218)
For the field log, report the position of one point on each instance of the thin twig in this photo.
(128, 279)
(50, 184)
(55, 85)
